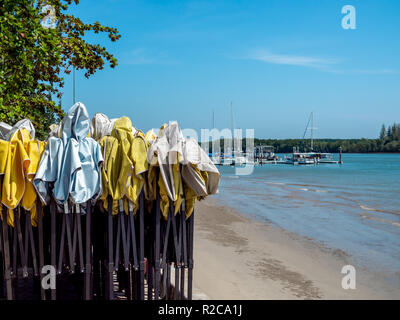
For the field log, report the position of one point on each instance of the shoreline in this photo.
(237, 257)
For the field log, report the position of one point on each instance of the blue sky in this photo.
(275, 60)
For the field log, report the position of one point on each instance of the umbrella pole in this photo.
(124, 238)
(141, 244)
(128, 264)
(176, 246)
(53, 241)
(190, 252)
(184, 249)
(117, 243)
(180, 254)
(69, 238)
(120, 234)
(32, 241)
(6, 252)
(78, 218)
(168, 286)
(110, 267)
(124, 242)
(133, 273)
(157, 249)
(17, 227)
(164, 258)
(74, 232)
(88, 254)
(26, 238)
(62, 244)
(128, 282)
(99, 250)
(150, 259)
(2, 282)
(14, 252)
(41, 251)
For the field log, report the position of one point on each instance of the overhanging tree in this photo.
(35, 51)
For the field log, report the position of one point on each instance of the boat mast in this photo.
(312, 131)
(213, 119)
(308, 127)
(233, 131)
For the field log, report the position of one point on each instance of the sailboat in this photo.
(312, 157)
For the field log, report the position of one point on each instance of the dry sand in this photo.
(239, 258)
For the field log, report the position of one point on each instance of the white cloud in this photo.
(323, 64)
(294, 60)
(142, 56)
(367, 71)
(137, 56)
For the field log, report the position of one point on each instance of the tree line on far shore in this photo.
(388, 141)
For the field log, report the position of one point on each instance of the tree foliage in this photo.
(388, 142)
(382, 135)
(34, 54)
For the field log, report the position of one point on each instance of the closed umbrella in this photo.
(69, 171)
(123, 175)
(19, 159)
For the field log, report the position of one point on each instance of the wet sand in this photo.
(239, 258)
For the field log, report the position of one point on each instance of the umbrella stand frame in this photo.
(123, 245)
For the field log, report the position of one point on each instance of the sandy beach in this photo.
(240, 258)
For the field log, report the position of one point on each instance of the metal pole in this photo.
(157, 248)
(7, 264)
(150, 264)
(110, 267)
(190, 251)
(133, 271)
(164, 258)
(41, 251)
(88, 254)
(62, 244)
(176, 247)
(53, 244)
(17, 227)
(69, 238)
(74, 82)
(312, 131)
(183, 249)
(80, 242)
(213, 119)
(141, 244)
(233, 134)
(124, 239)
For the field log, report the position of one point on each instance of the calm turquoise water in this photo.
(354, 207)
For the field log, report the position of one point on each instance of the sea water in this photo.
(354, 207)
